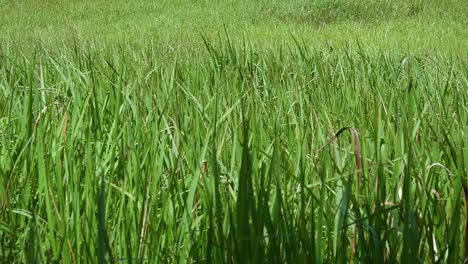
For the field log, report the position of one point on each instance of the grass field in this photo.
(416, 25)
(233, 131)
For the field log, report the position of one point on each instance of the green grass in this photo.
(116, 155)
(233, 131)
(420, 26)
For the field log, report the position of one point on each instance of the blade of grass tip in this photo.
(212, 52)
(301, 48)
(231, 50)
(346, 196)
(357, 150)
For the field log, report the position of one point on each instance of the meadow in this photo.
(233, 132)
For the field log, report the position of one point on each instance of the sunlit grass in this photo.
(415, 25)
(123, 154)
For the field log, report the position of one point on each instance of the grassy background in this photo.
(418, 26)
(128, 135)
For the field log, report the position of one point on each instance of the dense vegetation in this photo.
(229, 157)
(414, 25)
(300, 144)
